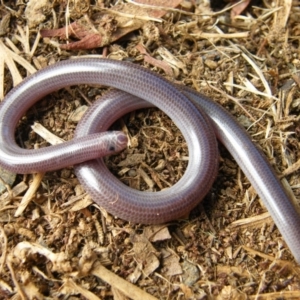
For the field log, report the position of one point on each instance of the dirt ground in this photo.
(56, 243)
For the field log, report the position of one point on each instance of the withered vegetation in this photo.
(55, 243)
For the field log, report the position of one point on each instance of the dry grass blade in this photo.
(9, 58)
(251, 90)
(181, 11)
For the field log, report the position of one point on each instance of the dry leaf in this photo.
(157, 233)
(171, 265)
(145, 254)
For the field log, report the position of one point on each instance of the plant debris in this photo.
(56, 243)
(107, 25)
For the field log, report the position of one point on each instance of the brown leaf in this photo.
(145, 254)
(171, 265)
(157, 233)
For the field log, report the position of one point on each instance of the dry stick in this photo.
(251, 221)
(176, 10)
(132, 16)
(4, 248)
(127, 288)
(208, 35)
(29, 194)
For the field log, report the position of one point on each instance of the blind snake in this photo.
(92, 140)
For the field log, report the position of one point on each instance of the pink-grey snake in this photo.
(92, 140)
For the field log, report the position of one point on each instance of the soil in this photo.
(56, 243)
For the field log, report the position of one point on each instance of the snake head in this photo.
(117, 142)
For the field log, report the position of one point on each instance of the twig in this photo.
(121, 284)
(29, 194)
